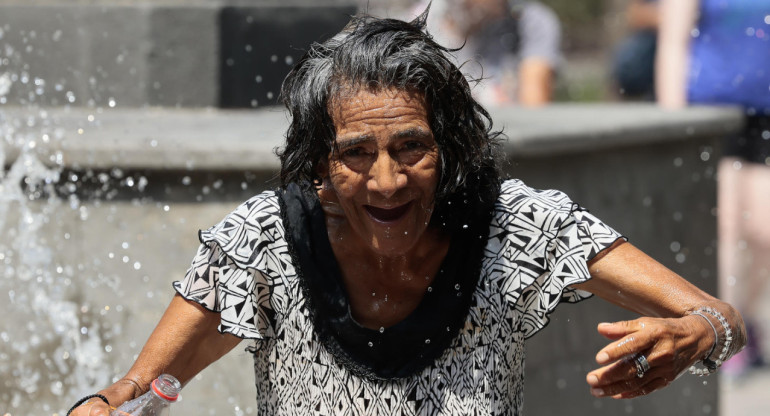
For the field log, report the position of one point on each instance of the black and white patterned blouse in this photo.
(309, 361)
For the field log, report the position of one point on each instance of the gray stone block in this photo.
(110, 55)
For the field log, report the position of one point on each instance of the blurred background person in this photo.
(718, 52)
(633, 61)
(514, 45)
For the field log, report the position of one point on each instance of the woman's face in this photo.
(385, 169)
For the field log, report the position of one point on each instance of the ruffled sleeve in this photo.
(242, 269)
(540, 243)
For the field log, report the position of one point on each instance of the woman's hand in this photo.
(670, 346)
(122, 391)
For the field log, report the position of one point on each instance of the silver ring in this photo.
(642, 365)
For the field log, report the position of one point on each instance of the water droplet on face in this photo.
(430, 288)
(382, 329)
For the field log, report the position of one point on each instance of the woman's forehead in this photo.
(366, 103)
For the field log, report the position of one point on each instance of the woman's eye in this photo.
(353, 152)
(413, 145)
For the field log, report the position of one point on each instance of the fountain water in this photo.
(54, 340)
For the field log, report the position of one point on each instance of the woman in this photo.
(395, 273)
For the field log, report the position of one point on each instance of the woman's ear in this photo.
(322, 169)
(321, 173)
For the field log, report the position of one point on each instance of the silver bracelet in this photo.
(711, 366)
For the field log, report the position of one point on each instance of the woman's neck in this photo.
(383, 290)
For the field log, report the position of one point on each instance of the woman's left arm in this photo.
(670, 335)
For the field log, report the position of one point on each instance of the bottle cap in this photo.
(167, 395)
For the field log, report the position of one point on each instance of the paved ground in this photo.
(747, 395)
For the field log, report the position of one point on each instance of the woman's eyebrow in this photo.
(412, 132)
(355, 140)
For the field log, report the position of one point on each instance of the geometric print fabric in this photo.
(538, 245)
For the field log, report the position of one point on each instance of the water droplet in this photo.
(289, 60)
(427, 341)
(371, 344)
(111, 102)
(382, 329)
(465, 226)
(457, 286)
(274, 58)
(430, 288)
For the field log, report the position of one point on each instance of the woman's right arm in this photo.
(184, 342)
(676, 21)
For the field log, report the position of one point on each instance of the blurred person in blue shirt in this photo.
(718, 52)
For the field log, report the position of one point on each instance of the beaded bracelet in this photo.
(84, 399)
(711, 366)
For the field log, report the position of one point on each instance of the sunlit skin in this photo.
(378, 190)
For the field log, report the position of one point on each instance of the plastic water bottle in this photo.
(164, 390)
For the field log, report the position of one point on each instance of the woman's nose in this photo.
(385, 176)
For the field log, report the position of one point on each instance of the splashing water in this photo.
(52, 345)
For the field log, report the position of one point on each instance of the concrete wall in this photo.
(160, 53)
(136, 185)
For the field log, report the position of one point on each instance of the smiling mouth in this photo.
(387, 214)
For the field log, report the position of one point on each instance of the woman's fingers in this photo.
(668, 347)
(630, 339)
(634, 386)
(93, 408)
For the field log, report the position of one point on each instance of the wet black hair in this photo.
(378, 53)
